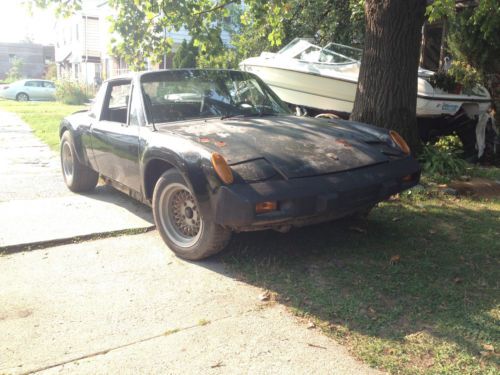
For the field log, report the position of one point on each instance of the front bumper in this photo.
(308, 200)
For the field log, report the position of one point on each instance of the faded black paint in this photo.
(309, 165)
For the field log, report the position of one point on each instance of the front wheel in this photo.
(180, 222)
(77, 176)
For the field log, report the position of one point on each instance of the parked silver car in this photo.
(29, 89)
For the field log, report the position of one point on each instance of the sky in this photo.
(16, 23)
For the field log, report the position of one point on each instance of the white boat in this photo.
(325, 79)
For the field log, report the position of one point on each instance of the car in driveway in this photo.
(216, 151)
(29, 89)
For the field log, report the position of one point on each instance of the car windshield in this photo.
(194, 94)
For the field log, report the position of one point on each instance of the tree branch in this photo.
(216, 7)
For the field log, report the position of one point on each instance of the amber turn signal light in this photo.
(408, 178)
(221, 168)
(400, 142)
(264, 207)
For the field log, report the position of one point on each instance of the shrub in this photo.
(69, 92)
(16, 70)
(50, 72)
(442, 160)
(465, 75)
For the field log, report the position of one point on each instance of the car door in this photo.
(115, 140)
(33, 89)
(48, 90)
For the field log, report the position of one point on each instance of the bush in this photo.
(68, 92)
(50, 72)
(442, 160)
(16, 70)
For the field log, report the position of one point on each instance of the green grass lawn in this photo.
(434, 309)
(43, 117)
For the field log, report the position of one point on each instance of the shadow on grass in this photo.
(445, 283)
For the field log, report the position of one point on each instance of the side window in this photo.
(119, 96)
(49, 84)
(116, 102)
(33, 84)
(95, 110)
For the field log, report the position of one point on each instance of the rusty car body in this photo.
(216, 151)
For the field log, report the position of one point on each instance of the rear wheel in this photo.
(77, 176)
(22, 97)
(180, 222)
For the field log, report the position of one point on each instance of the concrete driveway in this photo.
(35, 205)
(125, 304)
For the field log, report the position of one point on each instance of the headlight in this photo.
(221, 168)
(400, 142)
(254, 170)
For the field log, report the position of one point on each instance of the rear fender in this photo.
(76, 135)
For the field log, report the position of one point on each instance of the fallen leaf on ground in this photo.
(488, 347)
(218, 364)
(395, 259)
(396, 218)
(432, 231)
(484, 353)
(457, 280)
(265, 296)
(311, 325)
(358, 229)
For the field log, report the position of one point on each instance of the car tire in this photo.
(22, 97)
(180, 223)
(77, 176)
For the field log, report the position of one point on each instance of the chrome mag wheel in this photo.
(67, 161)
(179, 215)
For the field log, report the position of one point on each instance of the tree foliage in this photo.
(474, 32)
(255, 25)
(16, 70)
(185, 56)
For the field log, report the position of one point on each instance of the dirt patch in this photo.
(477, 187)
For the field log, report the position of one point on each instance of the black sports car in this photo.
(216, 151)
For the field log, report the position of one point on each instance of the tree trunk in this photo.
(386, 95)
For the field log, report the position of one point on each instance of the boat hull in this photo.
(325, 93)
(307, 89)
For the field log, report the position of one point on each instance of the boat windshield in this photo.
(177, 95)
(333, 53)
(350, 53)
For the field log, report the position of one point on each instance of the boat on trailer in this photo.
(324, 79)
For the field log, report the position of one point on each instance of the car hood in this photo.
(294, 146)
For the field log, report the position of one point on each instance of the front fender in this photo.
(194, 166)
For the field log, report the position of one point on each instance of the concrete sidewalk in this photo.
(36, 206)
(125, 305)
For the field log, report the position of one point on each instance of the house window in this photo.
(77, 33)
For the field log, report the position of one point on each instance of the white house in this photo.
(78, 49)
(82, 50)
